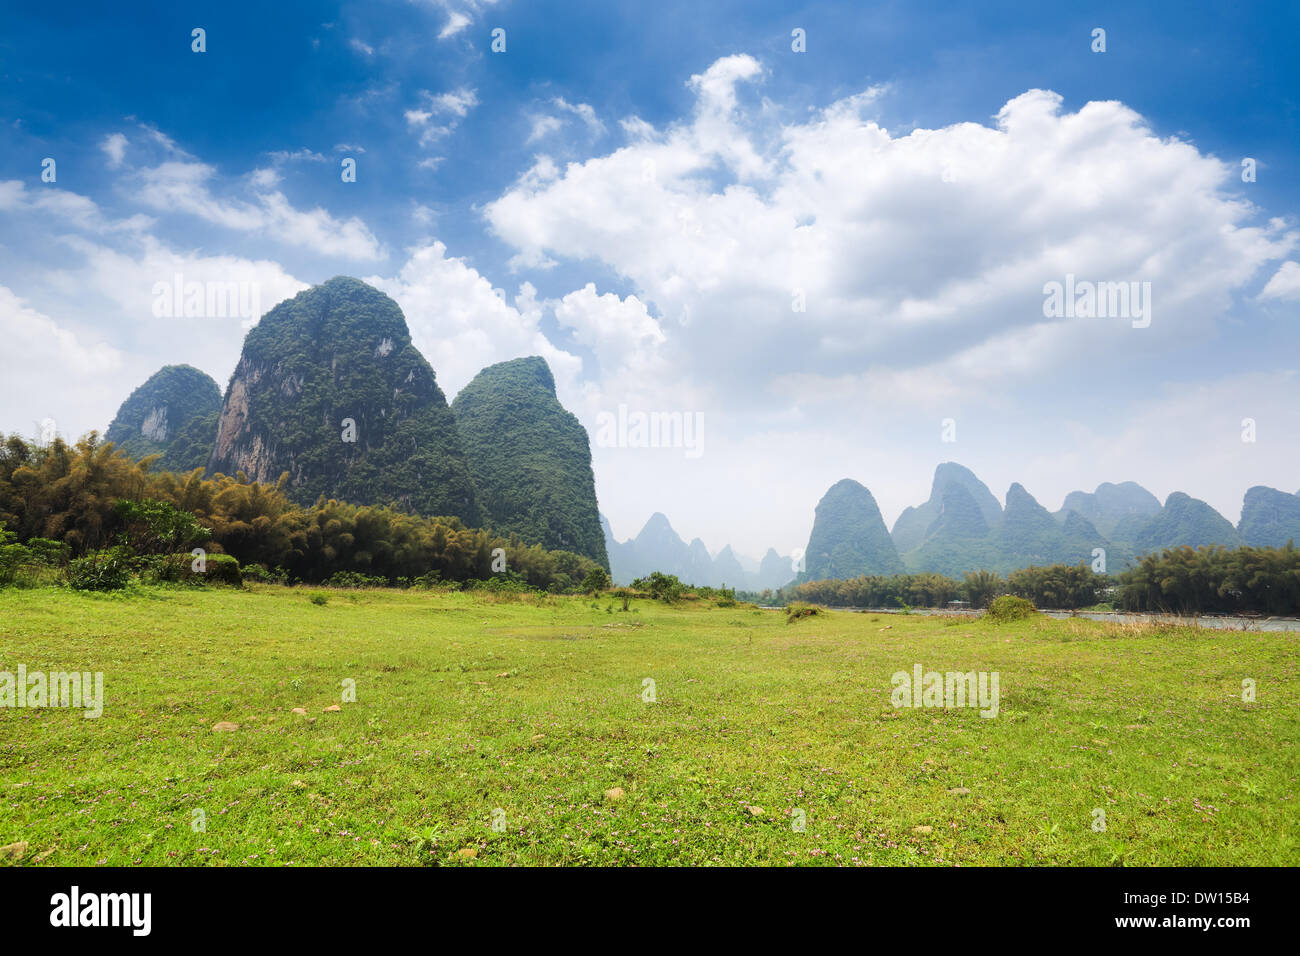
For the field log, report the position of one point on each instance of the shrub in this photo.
(217, 569)
(320, 600)
(797, 609)
(662, 587)
(597, 579)
(1008, 607)
(223, 569)
(355, 579)
(107, 570)
(151, 526)
(260, 574)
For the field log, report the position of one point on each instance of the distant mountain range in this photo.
(962, 527)
(659, 548)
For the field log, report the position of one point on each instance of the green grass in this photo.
(466, 704)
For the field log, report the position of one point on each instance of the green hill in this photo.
(1269, 518)
(1031, 536)
(849, 536)
(1116, 511)
(1185, 520)
(913, 525)
(330, 390)
(530, 459)
(173, 413)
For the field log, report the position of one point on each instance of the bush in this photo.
(260, 574)
(1008, 607)
(355, 579)
(662, 587)
(320, 600)
(797, 609)
(597, 579)
(217, 569)
(107, 570)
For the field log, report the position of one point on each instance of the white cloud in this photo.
(48, 371)
(543, 124)
(462, 324)
(114, 147)
(184, 187)
(1285, 284)
(456, 22)
(68, 207)
(920, 258)
(454, 105)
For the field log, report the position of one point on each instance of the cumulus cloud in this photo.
(827, 273)
(183, 186)
(933, 244)
(50, 371)
(461, 323)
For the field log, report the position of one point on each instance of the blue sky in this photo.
(636, 194)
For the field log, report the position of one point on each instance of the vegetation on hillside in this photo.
(330, 389)
(173, 413)
(849, 537)
(530, 458)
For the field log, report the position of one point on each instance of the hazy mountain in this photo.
(1269, 518)
(174, 413)
(1031, 536)
(849, 536)
(958, 539)
(913, 524)
(1185, 520)
(727, 570)
(530, 458)
(699, 565)
(774, 571)
(330, 390)
(1114, 510)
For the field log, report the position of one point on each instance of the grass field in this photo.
(534, 706)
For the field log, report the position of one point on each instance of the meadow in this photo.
(521, 730)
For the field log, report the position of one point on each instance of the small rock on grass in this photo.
(224, 726)
(756, 811)
(922, 830)
(468, 853)
(302, 711)
(614, 794)
(333, 708)
(959, 791)
(14, 851)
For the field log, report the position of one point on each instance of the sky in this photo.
(822, 232)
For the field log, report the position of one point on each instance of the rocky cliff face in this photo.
(330, 390)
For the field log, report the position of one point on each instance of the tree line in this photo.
(1182, 580)
(90, 496)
